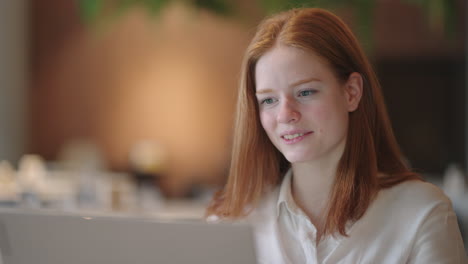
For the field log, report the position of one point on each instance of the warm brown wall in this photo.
(170, 79)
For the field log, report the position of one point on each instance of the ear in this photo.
(353, 91)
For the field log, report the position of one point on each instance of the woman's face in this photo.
(303, 106)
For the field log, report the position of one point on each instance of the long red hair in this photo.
(371, 149)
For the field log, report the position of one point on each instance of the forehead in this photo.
(285, 65)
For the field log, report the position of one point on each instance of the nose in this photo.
(288, 112)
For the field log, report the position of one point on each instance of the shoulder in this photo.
(414, 221)
(431, 221)
(406, 206)
(409, 208)
(414, 196)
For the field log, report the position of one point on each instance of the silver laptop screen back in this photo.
(37, 237)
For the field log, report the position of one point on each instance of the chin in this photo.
(294, 158)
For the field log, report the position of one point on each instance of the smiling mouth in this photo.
(289, 137)
(292, 138)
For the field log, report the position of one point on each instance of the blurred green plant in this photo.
(440, 14)
(90, 10)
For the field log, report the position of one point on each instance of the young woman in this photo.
(315, 166)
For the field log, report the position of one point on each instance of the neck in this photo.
(312, 184)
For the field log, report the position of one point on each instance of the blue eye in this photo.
(306, 93)
(267, 101)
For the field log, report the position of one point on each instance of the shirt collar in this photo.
(285, 198)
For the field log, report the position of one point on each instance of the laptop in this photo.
(59, 238)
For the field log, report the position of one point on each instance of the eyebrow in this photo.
(305, 81)
(263, 91)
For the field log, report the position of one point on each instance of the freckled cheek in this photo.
(267, 121)
(321, 113)
(327, 118)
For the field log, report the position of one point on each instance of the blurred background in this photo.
(117, 105)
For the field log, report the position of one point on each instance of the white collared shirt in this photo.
(412, 222)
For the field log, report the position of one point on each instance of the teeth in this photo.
(289, 137)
